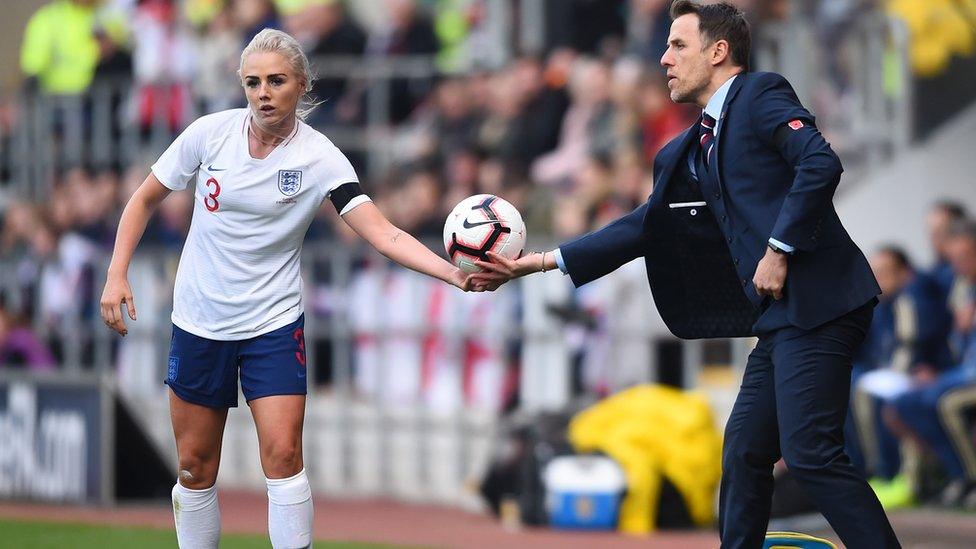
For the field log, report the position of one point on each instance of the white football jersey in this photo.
(239, 273)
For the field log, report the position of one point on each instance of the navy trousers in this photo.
(792, 404)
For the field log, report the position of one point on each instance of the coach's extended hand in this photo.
(506, 269)
(476, 282)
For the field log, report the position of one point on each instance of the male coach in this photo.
(740, 237)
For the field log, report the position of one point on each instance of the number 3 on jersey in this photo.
(210, 201)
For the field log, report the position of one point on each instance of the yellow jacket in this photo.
(654, 431)
(59, 47)
(938, 30)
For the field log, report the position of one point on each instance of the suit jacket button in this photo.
(736, 261)
(745, 282)
(723, 218)
(718, 195)
(729, 239)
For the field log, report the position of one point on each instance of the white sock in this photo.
(197, 517)
(290, 512)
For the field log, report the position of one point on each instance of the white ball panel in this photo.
(475, 219)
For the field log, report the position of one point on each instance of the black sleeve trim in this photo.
(784, 131)
(343, 194)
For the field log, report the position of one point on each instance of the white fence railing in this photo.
(408, 376)
(859, 86)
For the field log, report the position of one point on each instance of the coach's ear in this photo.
(720, 52)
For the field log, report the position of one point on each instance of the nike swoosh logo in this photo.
(212, 169)
(469, 225)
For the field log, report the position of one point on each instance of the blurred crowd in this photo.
(567, 133)
(563, 125)
(914, 377)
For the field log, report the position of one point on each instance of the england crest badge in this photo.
(174, 367)
(289, 181)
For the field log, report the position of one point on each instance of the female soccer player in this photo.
(260, 173)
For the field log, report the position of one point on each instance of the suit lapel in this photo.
(733, 91)
(735, 87)
(690, 136)
(679, 154)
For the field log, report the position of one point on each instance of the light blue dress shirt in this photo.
(714, 109)
(714, 106)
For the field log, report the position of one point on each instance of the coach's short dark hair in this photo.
(720, 21)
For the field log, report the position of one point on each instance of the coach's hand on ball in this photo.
(117, 292)
(771, 274)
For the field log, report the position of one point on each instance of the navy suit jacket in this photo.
(776, 178)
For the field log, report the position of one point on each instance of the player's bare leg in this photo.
(199, 431)
(279, 422)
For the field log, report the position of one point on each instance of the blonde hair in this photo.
(282, 43)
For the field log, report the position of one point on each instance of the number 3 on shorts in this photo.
(212, 206)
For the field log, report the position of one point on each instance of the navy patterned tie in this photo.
(707, 138)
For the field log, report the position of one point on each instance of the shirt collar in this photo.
(715, 104)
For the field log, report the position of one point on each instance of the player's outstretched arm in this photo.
(135, 216)
(369, 223)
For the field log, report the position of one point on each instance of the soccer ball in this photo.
(480, 224)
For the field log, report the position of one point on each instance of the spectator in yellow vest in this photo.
(59, 50)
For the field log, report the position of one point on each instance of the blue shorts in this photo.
(204, 371)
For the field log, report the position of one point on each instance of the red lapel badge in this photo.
(795, 124)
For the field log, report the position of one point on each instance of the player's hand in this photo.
(508, 269)
(770, 274)
(117, 292)
(487, 281)
(476, 282)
